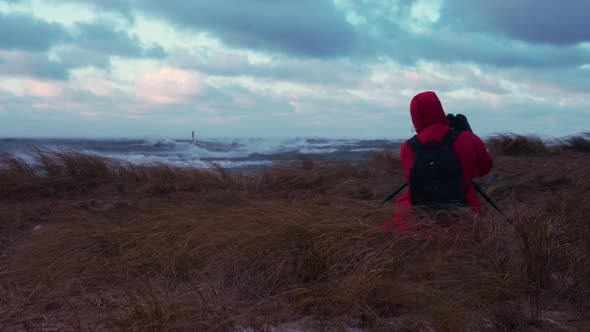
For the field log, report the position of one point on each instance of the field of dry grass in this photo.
(93, 244)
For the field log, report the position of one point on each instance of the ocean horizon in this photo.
(231, 153)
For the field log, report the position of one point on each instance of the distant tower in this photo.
(193, 136)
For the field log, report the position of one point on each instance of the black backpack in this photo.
(436, 178)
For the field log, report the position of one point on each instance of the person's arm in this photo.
(483, 159)
(407, 158)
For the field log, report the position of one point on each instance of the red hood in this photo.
(426, 109)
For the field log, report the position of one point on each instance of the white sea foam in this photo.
(227, 152)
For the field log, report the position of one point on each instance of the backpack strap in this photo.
(415, 144)
(451, 137)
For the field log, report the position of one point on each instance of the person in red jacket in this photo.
(432, 124)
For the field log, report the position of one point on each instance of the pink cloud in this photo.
(43, 89)
(96, 85)
(491, 99)
(169, 86)
(416, 79)
(547, 89)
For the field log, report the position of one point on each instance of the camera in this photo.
(459, 122)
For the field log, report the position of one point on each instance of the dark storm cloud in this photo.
(122, 7)
(33, 65)
(534, 21)
(505, 34)
(476, 32)
(316, 71)
(101, 37)
(305, 27)
(93, 44)
(444, 46)
(465, 33)
(313, 28)
(21, 32)
(25, 41)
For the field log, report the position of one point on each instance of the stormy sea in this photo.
(234, 153)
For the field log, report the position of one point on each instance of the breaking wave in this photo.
(229, 153)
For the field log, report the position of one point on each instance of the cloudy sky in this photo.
(341, 68)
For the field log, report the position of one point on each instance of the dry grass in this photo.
(579, 143)
(513, 144)
(88, 243)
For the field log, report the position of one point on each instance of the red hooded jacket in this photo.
(431, 124)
